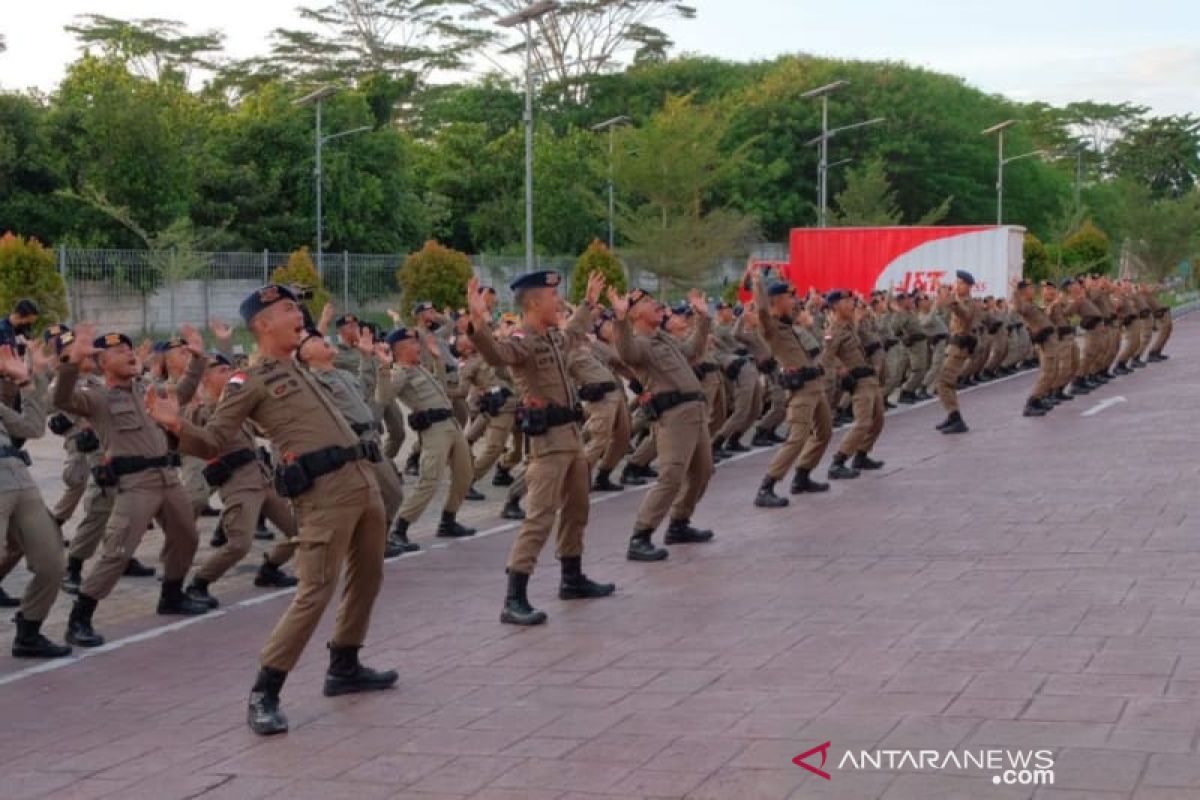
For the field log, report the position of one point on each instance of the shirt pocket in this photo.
(125, 416)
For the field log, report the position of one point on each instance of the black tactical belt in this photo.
(60, 424)
(129, 465)
(538, 421)
(218, 471)
(1144, 313)
(872, 348)
(1161, 312)
(1066, 330)
(888, 344)
(858, 373)
(794, 379)
(734, 368)
(298, 475)
(594, 392)
(1041, 336)
(86, 441)
(1089, 323)
(423, 420)
(703, 369)
(360, 428)
(492, 402)
(663, 402)
(913, 339)
(937, 339)
(965, 341)
(768, 366)
(8, 451)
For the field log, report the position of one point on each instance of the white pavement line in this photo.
(154, 633)
(1103, 404)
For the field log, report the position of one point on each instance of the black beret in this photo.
(1023, 284)
(738, 311)
(344, 319)
(424, 305)
(111, 340)
(778, 288)
(169, 344)
(681, 309)
(543, 279)
(400, 335)
(836, 296)
(636, 296)
(965, 277)
(218, 360)
(1067, 282)
(722, 304)
(259, 299)
(63, 341)
(57, 329)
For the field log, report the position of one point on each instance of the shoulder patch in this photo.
(235, 382)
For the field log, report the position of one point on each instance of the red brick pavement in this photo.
(1029, 585)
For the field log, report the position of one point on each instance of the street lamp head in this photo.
(318, 95)
(826, 89)
(528, 14)
(1008, 123)
(611, 123)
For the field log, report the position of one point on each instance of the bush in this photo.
(597, 258)
(1037, 259)
(300, 271)
(1087, 250)
(27, 269)
(435, 273)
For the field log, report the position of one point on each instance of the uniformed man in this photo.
(25, 523)
(402, 377)
(349, 358)
(676, 401)
(138, 464)
(770, 398)
(496, 396)
(935, 328)
(75, 466)
(1162, 318)
(557, 472)
(326, 474)
(606, 416)
(1075, 366)
(241, 480)
(609, 423)
(961, 348)
(808, 417)
(741, 382)
(846, 357)
(1045, 338)
(998, 329)
(913, 339)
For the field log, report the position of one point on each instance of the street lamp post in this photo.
(999, 129)
(828, 133)
(609, 125)
(315, 98)
(525, 18)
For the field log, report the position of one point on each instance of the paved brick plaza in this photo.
(1029, 586)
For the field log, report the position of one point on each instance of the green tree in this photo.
(300, 271)
(1159, 234)
(151, 48)
(1162, 153)
(436, 274)
(1036, 259)
(597, 258)
(27, 269)
(1086, 250)
(868, 199)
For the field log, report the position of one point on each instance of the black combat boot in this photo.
(631, 477)
(577, 586)
(347, 676)
(261, 532)
(502, 477)
(73, 576)
(863, 461)
(450, 528)
(642, 549)
(218, 539)
(1079, 386)
(198, 591)
(517, 610)
(838, 469)
(30, 643)
(397, 540)
(734, 445)
(955, 424)
(412, 464)
(272, 576)
(680, 531)
(1061, 395)
(762, 438)
(79, 624)
(801, 483)
(906, 398)
(1136, 362)
(604, 483)
(1121, 369)
(8, 601)
(766, 497)
(1033, 408)
(512, 509)
(719, 453)
(172, 601)
(474, 494)
(136, 569)
(263, 714)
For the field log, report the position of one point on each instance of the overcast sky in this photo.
(1147, 52)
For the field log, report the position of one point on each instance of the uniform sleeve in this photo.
(67, 395)
(577, 326)
(30, 421)
(368, 377)
(390, 383)
(693, 348)
(510, 352)
(831, 355)
(630, 347)
(237, 403)
(185, 390)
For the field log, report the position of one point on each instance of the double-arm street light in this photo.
(315, 99)
(826, 134)
(525, 18)
(610, 125)
(1002, 162)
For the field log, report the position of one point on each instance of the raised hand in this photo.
(394, 315)
(698, 302)
(618, 302)
(39, 357)
(366, 341)
(595, 285)
(195, 343)
(476, 303)
(383, 353)
(85, 335)
(12, 366)
(163, 409)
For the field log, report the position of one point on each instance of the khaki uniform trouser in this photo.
(557, 485)
(646, 451)
(153, 494)
(1113, 340)
(191, 473)
(867, 403)
(606, 431)
(897, 361)
(810, 426)
(442, 445)
(339, 521)
(955, 362)
(684, 466)
(75, 478)
(937, 358)
(243, 498)
(1165, 324)
(1132, 341)
(496, 432)
(744, 412)
(977, 359)
(393, 426)
(1048, 371)
(391, 486)
(28, 530)
(778, 398)
(918, 362)
(97, 508)
(999, 351)
(1093, 352)
(1147, 326)
(715, 399)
